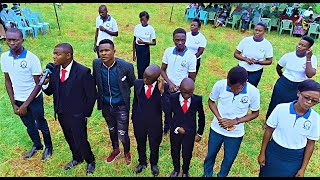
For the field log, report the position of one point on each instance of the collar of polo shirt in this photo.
(109, 18)
(292, 111)
(22, 55)
(243, 91)
(181, 54)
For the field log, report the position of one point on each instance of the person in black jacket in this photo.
(184, 106)
(147, 116)
(74, 95)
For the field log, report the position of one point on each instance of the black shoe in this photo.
(46, 154)
(185, 175)
(32, 152)
(139, 168)
(174, 174)
(154, 170)
(71, 164)
(91, 168)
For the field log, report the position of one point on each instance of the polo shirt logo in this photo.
(244, 99)
(108, 24)
(184, 63)
(23, 64)
(262, 50)
(147, 33)
(197, 42)
(307, 125)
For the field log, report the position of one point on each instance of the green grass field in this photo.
(77, 22)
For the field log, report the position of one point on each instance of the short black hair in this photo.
(198, 21)
(263, 24)
(237, 74)
(15, 30)
(106, 41)
(67, 48)
(309, 39)
(309, 85)
(179, 30)
(144, 13)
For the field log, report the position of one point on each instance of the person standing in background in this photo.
(143, 33)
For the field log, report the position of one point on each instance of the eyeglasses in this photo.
(313, 101)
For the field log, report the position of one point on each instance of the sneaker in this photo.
(114, 155)
(127, 157)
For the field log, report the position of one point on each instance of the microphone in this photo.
(48, 70)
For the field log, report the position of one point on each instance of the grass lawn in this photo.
(77, 21)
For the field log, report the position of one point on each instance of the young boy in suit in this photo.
(74, 95)
(184, 106)
(147, 116)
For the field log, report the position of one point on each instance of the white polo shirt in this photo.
(296, 66)
(21, 70)
(179, 66)
(292, 130)
(194, 42)
(144, 33)
(110, 24)
(233, 106)
(257, 50)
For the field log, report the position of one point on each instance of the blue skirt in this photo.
(281, 162)
(143, 59)
(284, 91)
(254, 77)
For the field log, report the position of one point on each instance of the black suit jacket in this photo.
(146, 110)
(126, 78)
(80, 93)
(186, 120)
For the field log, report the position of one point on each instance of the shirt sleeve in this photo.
(203, 42)
(240, 46)
(215, 92)
(165, 58)
(314, 62)
(153, 33)
(283, 61)
(35, 66)
(269, 51)
(255, 101)
(97, 22)
(193, 63)
(315, 131)
(115, 26)
(273, 120)
(3, 65)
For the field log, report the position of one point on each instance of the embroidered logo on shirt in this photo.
(147, 33)
(262, 50)
(108, 24)
(244, 99)
(307, 125)
(197, 42)
(23, 64)
(184, 63)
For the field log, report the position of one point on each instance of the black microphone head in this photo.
(50, 66)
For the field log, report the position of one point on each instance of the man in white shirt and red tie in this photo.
(74, 95)
(147, 116)
(184, 106)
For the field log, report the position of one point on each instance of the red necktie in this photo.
(63, 75)
(148, 93)
(185, 105)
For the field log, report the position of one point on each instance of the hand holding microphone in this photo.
(44, 78)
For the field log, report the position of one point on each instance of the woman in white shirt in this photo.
(254, 52)
(299, 65)
(294, 128)
(143, 33)
(196, 42)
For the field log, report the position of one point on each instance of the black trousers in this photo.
(34, 120)
(117, 119)
(186, 142)
(143, 59)
(153, 131)
(75, 131)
